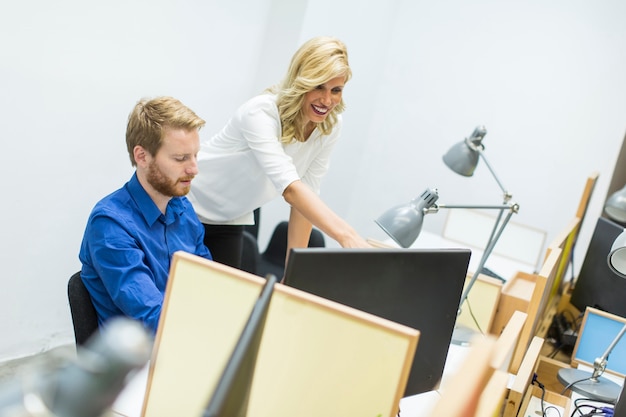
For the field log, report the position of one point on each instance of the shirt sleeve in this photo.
(260, 127)
(201, 249)
(121, 264)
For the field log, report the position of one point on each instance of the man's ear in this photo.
(141, 155)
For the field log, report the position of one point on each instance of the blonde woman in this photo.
(277, 143)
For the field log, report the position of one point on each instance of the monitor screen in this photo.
(230, 398)
(597, 286)
(419, 288)
(597, 332)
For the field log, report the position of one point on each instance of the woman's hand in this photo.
(354, 241)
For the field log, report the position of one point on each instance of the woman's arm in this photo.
(311, 207)
(298, 232)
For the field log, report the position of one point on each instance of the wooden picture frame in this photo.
(549, 301)
(507, 341)
(523, 378)
(461, 393)
(564, 241)
(536, 307)
(595, 335)
(493, 395)
(590, 185)
(354, 363)
(479, 309)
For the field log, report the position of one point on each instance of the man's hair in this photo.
(149, 119)
(316, 62)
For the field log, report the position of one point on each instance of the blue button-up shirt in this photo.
(127, 249)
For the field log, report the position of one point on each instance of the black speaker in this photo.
(597, 286)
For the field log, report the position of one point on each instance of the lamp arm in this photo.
(507, 195)
(498, 228)
(599, 365)
(513, 207)
(494, 229)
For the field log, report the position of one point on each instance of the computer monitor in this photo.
(230, 398)
(597, 286)
(419, 288)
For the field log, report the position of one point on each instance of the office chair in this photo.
(250, 256)
(84, 316)
(250, 251)
(272, 260)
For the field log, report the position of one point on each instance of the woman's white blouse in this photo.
(245, 165)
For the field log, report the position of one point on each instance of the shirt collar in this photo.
(148, 208)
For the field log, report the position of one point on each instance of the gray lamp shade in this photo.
(462, 158)
(403, 223)
(617, 256)
(615, 206)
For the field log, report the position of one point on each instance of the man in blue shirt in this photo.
(132, 233)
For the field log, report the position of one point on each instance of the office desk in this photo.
(533, 407)
(607, 375)
(421, 405)
(505, 267)
(130, 401)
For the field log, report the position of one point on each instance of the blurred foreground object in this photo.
(86, 386)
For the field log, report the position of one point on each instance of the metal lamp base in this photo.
(601, 389)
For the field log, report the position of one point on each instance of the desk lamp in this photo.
(403, 223)
(592, 385)
(615, 206)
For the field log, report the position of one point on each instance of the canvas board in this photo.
(316, 357)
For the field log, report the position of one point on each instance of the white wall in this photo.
(546, 78)
(70, 72)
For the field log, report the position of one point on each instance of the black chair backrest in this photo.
(84, 316)
(250, 256)
(317, 239)
(272, 260)
(277, 246)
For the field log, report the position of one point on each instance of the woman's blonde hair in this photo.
(316, 62)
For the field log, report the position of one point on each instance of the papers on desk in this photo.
(130, 400)
(536, 405)
(420, 405)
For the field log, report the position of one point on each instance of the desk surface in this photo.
(505, 267)
(421, 405)
(130, 401)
